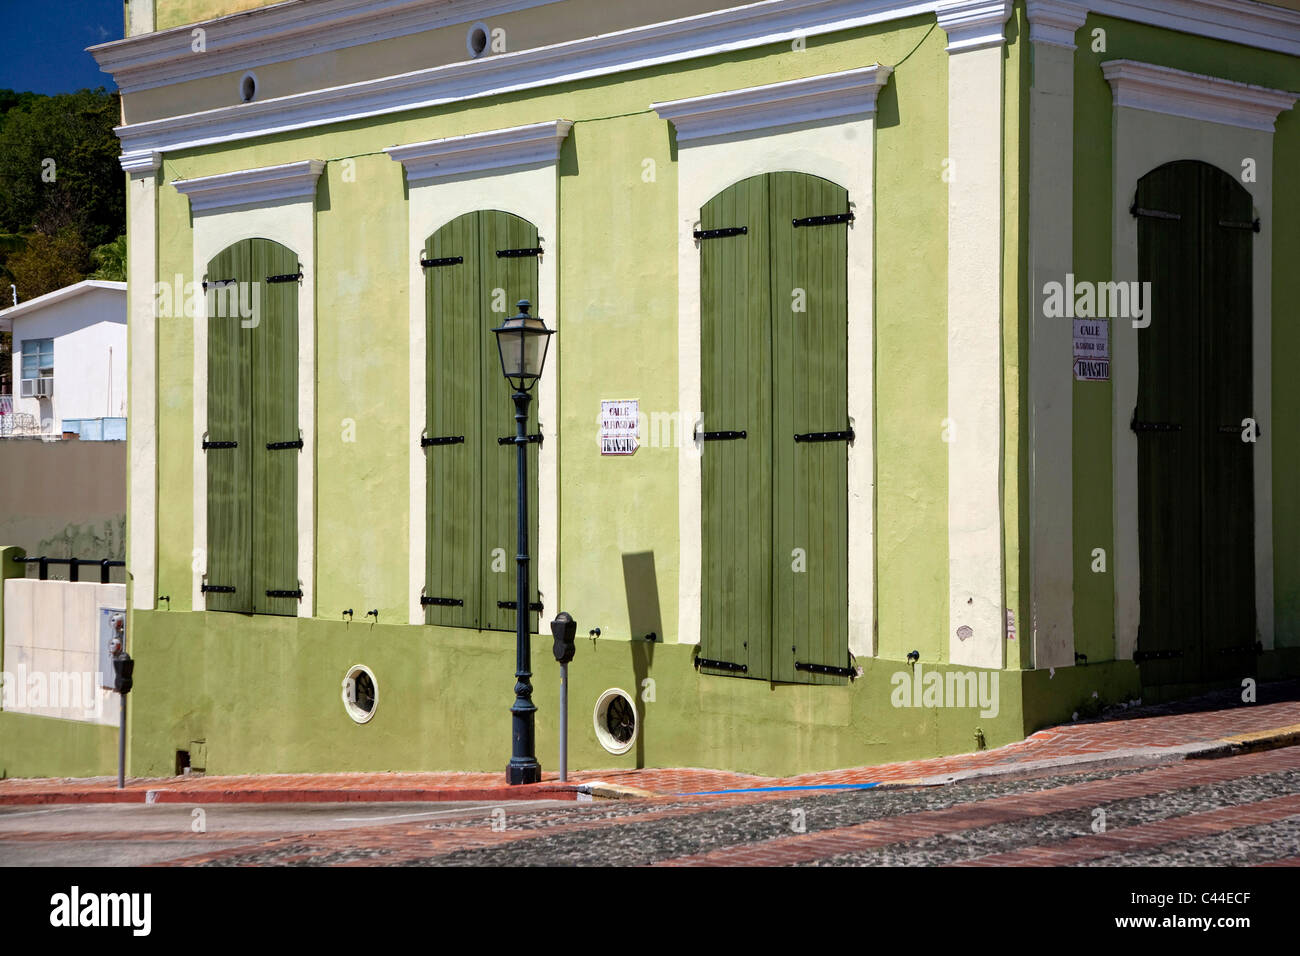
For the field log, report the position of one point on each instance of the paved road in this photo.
(1238, 811)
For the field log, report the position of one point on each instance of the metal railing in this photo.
(73, 565)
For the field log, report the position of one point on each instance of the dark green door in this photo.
(1195, 462)
(478, 266)
(774, 311)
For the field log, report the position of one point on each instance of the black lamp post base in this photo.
(524, 772)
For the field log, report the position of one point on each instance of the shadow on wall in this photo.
(646, 629)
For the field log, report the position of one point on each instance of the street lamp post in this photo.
(522, 341)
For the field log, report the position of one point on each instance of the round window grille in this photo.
(360, 693)
(616, 721)
(248, 88)
(476, 41)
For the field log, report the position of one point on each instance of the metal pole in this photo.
(121, 744)
(564, 723)
(523, 766)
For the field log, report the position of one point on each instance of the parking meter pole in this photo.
(564, 723)
(121, 743)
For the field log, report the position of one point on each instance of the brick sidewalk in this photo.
(1158, 727)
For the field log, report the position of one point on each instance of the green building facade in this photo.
(956, 335)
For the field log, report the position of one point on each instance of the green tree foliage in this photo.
(50, 262)
(110, 260)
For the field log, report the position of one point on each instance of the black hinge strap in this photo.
(442, 440)
(720, 233)
(824, 220)
(444, 261)
(825, 669)
(722, 436)
(511, 605)
(208, 282)
(287, 277)
(1253, 226)
(441, 602)
(825, 436)
(278, 445)
(1138, 212)
(1139, 656)
(720, 665)
(1138, 426)
(220, 444)
(528, 440)
(518, 253)
(295, 593)
(216, 589)
(1256, 648)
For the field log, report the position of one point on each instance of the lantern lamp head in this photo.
(522, 341)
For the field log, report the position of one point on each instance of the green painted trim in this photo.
(49, 747)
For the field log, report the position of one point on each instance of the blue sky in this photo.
(45, 43)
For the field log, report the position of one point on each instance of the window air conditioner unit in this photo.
(44, 387)
(29, 388)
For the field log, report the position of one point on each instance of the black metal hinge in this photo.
(722, 436)
(1141, 426)
(721, 233)
(444, 261)
(278, 445)
(295, 593)
(511, 605)
(220, 444)
(287, 277)
(1140, 656)
(1253, 225)
(518, 253)
(443, 440)
(207, 282)
(826, 669)
(441, 602)
(216, 589)
(1256, 648)
(1139, 213)
(528, 440)
(824, 220)
(825, 436)
(720, 665)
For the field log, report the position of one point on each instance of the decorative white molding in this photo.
(1054, 22)
(1161, 89)
(1237, 21)
(832, 97)
(973, 24)
(252, 187)
(283, 31)
(458, 156)
(146, 161)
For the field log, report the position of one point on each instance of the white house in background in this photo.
(69, 362)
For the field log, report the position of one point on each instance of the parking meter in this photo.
(564, 628)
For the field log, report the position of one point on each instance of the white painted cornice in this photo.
(282, 31)
(973, 24)
(1238, 21)
(253, 187)
(1161, 89)
(1054, 22)
(832, 96)
(457, 156)
(146, 161)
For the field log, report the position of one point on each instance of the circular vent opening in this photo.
(360, 693)
(476, 40)
(616, 721)
(248, 88)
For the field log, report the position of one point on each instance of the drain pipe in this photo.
(563, 628)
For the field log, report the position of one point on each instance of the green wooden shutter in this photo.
(1169, 493)
(736, 381)
(503, 281)
(455, 345)
(229, 470)
(810, 396)
(1226, 310)
(273, 336)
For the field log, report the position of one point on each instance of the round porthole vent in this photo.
(248, 88)
(616, 721)
(360, 693)
(476, 40)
